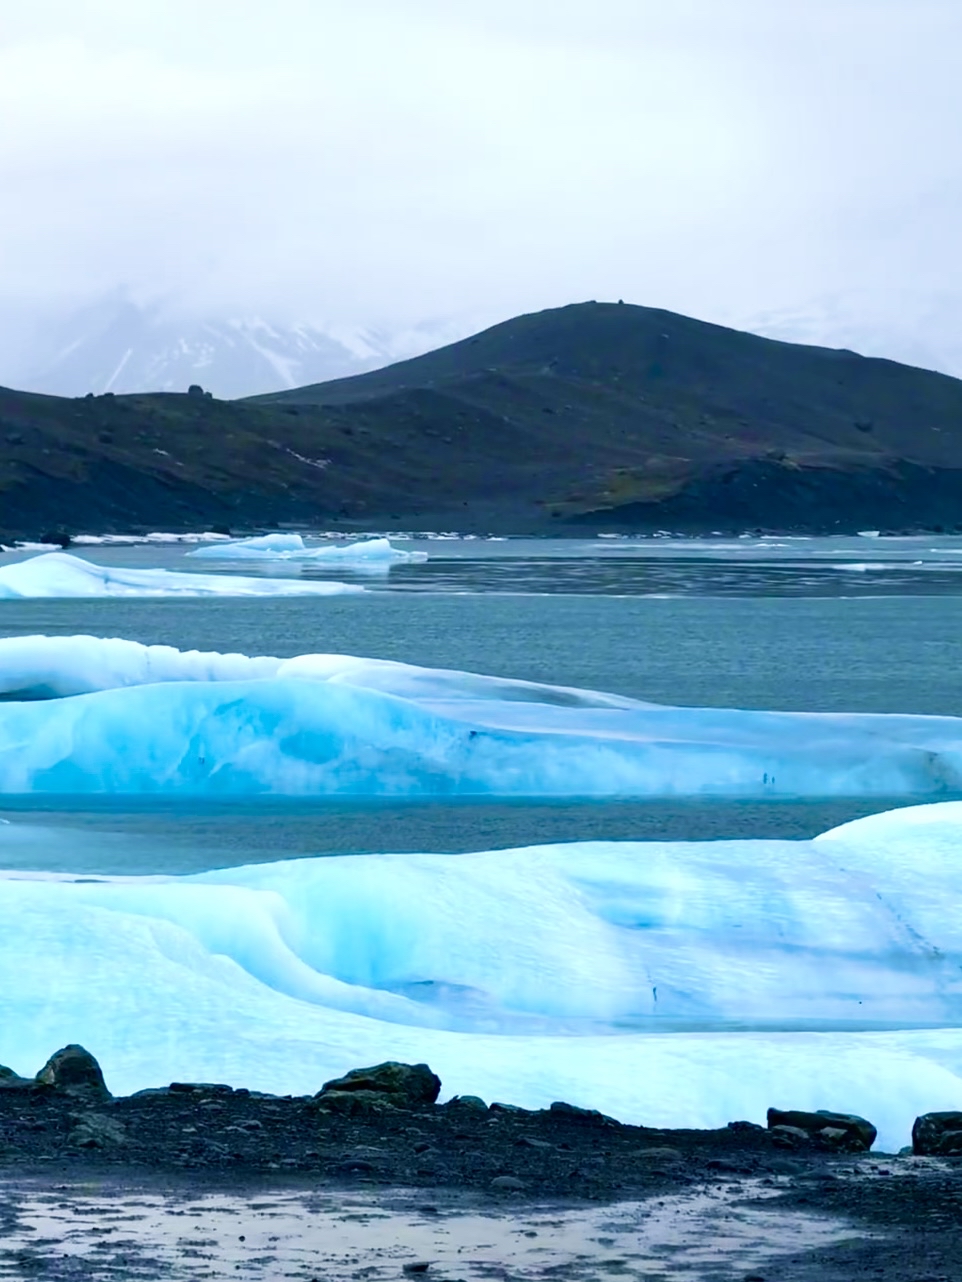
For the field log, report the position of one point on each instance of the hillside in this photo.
(600, 415)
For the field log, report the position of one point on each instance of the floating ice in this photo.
(370, 553)
(58, 574)
(489, 965)
(158, 536)
(157, 720)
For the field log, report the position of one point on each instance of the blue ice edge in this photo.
(81, 715)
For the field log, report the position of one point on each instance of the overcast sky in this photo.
(390, 160)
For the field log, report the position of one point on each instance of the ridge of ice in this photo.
(525, 975)
(58, 574)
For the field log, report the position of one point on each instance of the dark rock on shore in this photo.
(938, 1134)
(840, 1132)
(380, 1126)
(74, 1069)
(392, 1084)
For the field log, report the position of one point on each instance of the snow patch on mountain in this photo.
(118, 345)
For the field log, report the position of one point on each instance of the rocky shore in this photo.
(379, 1132)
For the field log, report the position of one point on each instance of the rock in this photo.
(195, 389)
(589, 1115)
(10, 1079)
(508, 1184)
(93, 1130)
(401, 1085)
(417, 1266)
(74, 1069)
(857, 1135)
(939, 1133)
(467, 1104)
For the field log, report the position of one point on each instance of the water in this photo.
(753, 623)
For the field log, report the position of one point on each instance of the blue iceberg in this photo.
(145, 719)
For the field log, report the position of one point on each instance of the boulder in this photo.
(841, 1132)
(938, 1133)
(466, 1104)
(75, 1070)
(590, 1116)
(401, 1085)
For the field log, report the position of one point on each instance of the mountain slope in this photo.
(617, 416)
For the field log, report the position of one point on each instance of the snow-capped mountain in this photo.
(116, 345)
(916, 328)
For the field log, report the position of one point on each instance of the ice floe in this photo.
(373, 554)
(58, 574)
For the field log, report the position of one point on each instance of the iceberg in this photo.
(87, 715)
(370, 554)
(672, 984)
(58, 574)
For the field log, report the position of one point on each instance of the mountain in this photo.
(116, 345)
(598, 415)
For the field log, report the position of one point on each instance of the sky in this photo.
(385, 161)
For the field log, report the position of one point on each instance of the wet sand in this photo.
(108, 1229)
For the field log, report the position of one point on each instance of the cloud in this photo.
(391, 159)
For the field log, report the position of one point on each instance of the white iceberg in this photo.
(58, 574)
(375, 554)
(800, 971)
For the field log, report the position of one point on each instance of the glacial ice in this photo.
(158, 720)
(811, 974)
(374, 554)
(58, 574)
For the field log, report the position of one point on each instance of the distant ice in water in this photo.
(369, 554)
(672, 984)
(58, 574)
(158, 536)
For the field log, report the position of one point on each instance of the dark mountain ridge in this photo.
(610, 415)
